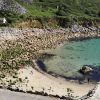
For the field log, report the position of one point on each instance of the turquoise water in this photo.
(72, 56)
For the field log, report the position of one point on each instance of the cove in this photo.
(71, 56)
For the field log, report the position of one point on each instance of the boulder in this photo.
(13, 6)
(86, 69)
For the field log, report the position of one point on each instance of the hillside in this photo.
(62, 7)
(68, 10)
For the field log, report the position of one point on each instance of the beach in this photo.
(31, 79)
(96, 95)
(55, 86)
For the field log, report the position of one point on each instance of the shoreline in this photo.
(42, 40)
(50, 82)
(5, 94)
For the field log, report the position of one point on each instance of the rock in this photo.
(86, 69)
(11, 5)
(75, 28)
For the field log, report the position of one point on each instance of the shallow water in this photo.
(72, 56)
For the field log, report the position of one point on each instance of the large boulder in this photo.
(11, 5)
(86, 69)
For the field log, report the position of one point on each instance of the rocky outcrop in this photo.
(78, 28)
(11, 5)
(86, 70)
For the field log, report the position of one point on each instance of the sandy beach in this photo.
(33, 80)
(96, 94)
(28, 78)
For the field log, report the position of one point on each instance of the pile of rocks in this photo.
(76, 28)
(44, 38)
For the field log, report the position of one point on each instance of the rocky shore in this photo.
(19, 47)
(48, 38)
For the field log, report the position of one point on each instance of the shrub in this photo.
(99, 14)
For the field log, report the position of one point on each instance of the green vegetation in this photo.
(57, 9)
(10, 16)
(71, 8)
(13, 57)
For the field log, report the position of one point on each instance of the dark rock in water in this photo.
(86, 69)
(41, 65)
(93, 72)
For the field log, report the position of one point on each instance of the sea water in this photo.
(72, 56)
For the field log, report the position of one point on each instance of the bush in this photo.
(61, 13)
(99, 14)
(64, 21)
(62, 10)
(10, 16)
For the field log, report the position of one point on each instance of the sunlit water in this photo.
(72, 56)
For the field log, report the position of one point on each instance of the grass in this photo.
(13, 57)
(89, 9)
(37, 11)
